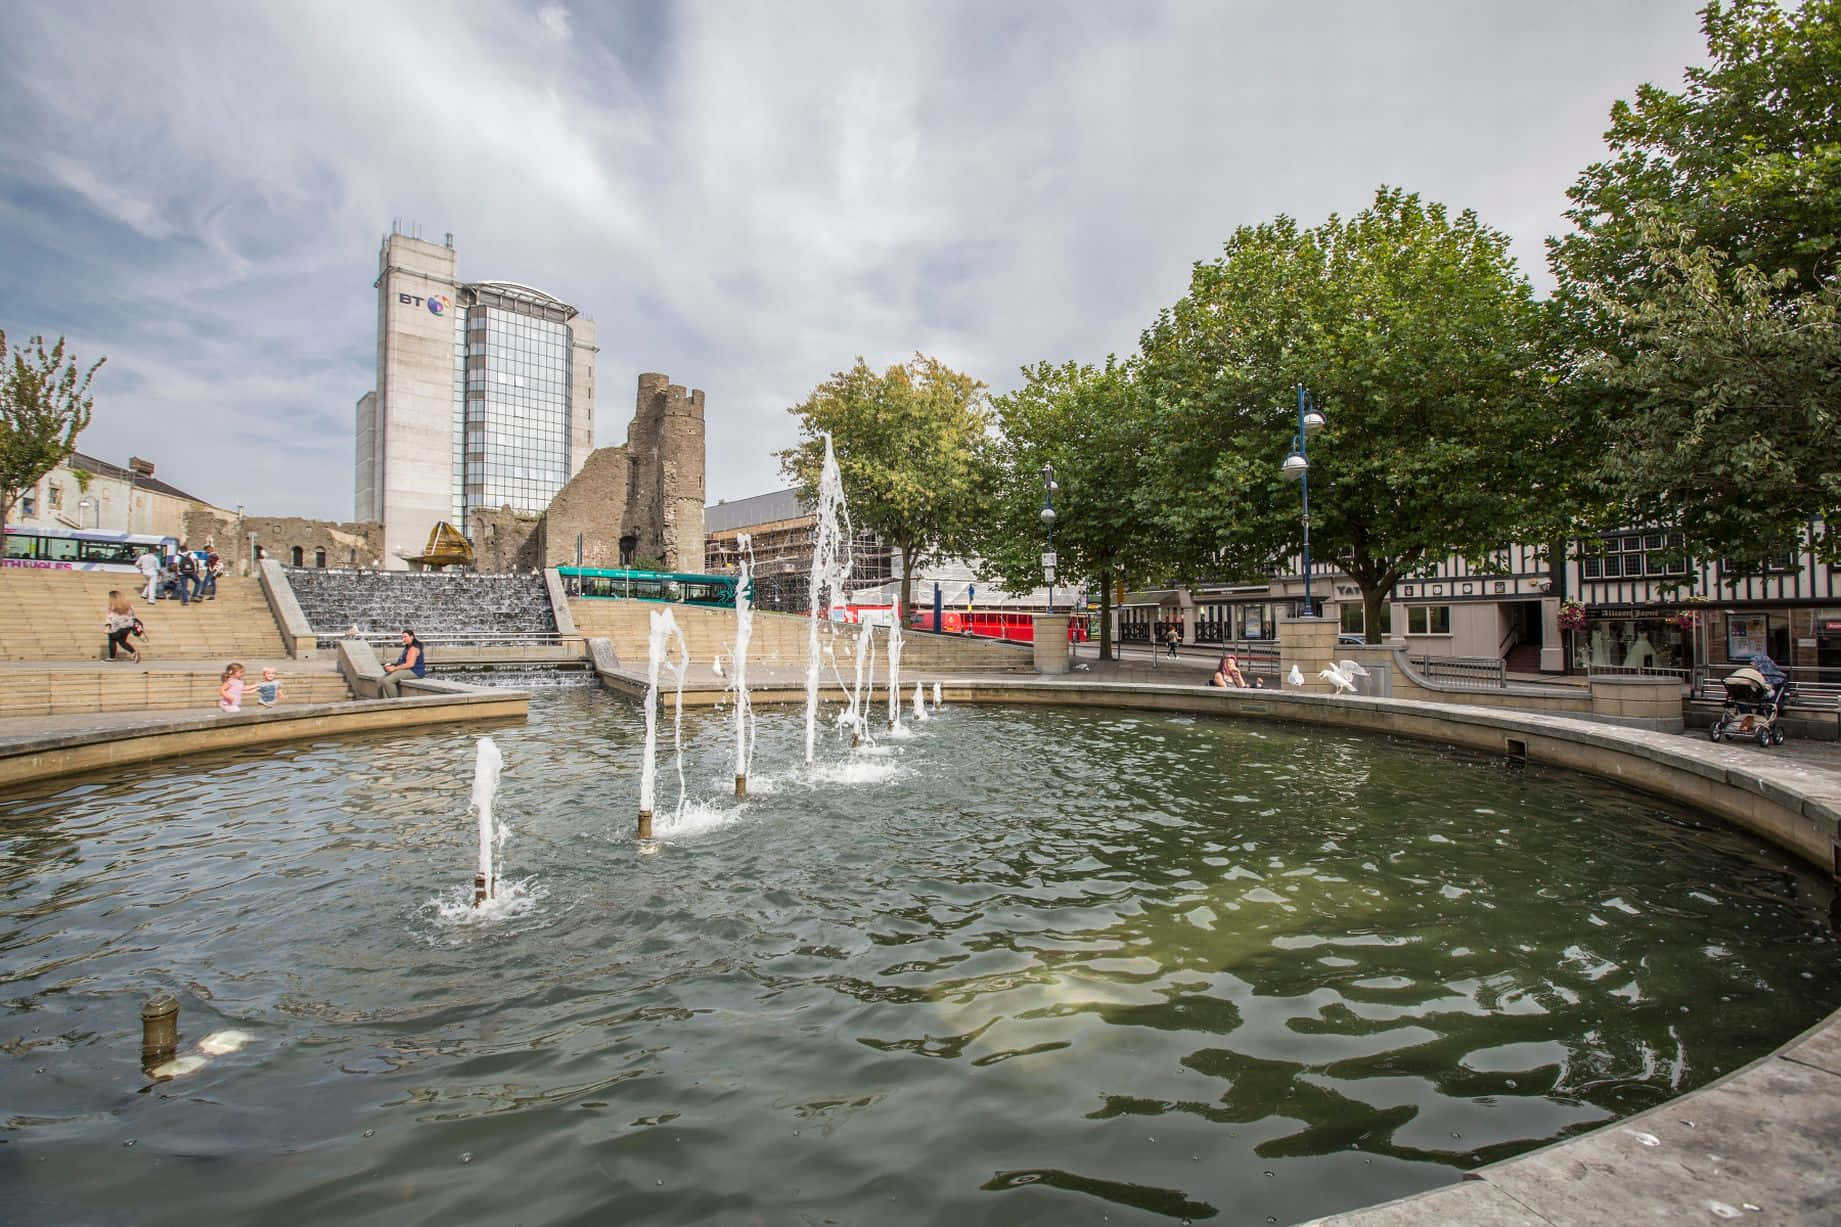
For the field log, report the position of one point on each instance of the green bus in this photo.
(677, 587)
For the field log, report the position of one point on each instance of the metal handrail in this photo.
(1708, 685)
(1462, 672)
(483, 639)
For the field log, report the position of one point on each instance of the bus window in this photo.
(64, 549)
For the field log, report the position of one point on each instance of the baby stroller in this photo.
(1755, 697)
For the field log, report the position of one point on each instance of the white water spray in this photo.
(936, 696)
(830, 568)
(895, 670)
(664, 628)
(487, 764)
(744, 630)
(866, 666)
(920, 703)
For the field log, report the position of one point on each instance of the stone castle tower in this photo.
(642, 500)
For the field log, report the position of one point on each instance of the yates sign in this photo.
(437, 304)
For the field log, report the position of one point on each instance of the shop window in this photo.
(1355, 618)
(1428, 619)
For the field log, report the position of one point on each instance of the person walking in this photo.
(1172, 637)
(121, 623)
(149, 566)
(188, 576)
(413, 661)
(211, 568)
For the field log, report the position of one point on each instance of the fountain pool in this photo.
(1043, 965)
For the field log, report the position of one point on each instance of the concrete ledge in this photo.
(559, 601)
(160, 737)
(296, 635)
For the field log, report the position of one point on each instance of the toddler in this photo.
(268, 690)
(230, 694)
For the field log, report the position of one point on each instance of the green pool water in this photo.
(1042, 966)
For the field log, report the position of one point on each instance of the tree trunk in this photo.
(1372, 599)
(906, 600)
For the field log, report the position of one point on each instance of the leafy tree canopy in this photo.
(1747, 157)
(1090, 425)
(1425, 349)
(45, 403)
(1735, 396)
(910, 444)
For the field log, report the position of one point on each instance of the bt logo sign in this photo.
(437, 304)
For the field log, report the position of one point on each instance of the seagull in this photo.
(1352, 668)
(1295, 677)
(1337, 678)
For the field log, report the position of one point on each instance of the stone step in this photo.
(127, 688)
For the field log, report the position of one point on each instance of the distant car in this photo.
(1351, 640)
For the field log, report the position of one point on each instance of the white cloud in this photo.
(744, 196)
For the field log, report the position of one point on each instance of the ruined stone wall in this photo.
(593, 504)
(345, 545)
(681, 480)
(506, 540)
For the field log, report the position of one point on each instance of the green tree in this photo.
(1734, 406)
(44, 405)
(1747, 157)
(1422, 345)
(1090, 424)
(1699, 283)
(911, 451)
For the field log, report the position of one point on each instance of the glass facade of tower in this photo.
(514, 410)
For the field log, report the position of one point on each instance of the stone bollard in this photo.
(1310, 644)
(1051, 647)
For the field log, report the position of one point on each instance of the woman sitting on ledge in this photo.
(413, 660)
(1228, 674)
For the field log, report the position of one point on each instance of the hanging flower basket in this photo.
(1571, 616)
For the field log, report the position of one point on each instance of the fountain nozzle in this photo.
(741, 785)
(645, 824)
(159, 1029)
(480, 893)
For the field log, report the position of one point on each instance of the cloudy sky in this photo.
(745, 196)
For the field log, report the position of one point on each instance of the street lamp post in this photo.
(85, 504)
(1048, 522)
(1297, 465)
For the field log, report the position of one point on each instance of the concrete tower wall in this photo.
(415, 391)
(581, 392)
(364, 476)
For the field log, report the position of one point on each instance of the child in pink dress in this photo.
(230, 694)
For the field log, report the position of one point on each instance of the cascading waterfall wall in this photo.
(830, 568)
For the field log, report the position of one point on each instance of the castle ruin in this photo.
(641, 502)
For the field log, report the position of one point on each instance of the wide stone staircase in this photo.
(58, 615)
(779, 640)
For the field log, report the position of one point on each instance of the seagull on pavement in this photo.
(1295, 677)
